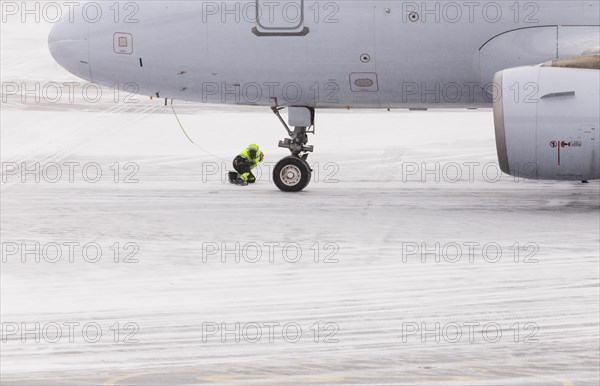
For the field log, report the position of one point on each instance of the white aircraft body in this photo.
(536, 63)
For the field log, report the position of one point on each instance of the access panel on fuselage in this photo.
(276, 18)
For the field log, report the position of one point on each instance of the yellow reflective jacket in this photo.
(253, 161)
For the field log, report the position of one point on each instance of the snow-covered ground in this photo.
(513, 300)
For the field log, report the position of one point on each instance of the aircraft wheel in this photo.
(292, 174)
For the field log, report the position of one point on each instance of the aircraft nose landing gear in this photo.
(293, 174)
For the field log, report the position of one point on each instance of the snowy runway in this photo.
(379, 262)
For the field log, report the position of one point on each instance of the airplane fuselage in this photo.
(359, 54)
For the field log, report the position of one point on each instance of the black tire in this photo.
(292, 174)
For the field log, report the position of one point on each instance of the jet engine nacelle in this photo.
(547, 121)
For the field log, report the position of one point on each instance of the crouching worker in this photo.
(244, 163)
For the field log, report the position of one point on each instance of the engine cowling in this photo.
(547, 121)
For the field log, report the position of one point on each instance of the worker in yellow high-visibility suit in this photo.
(245, 162)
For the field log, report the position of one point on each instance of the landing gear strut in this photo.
(293, 174)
